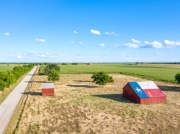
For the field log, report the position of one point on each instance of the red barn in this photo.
(144, 92)
(47, 89)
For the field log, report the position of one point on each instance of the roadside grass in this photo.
(161, 72)
(17, 116)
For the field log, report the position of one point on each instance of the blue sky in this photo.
(89, 30)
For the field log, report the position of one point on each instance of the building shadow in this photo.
(115, 97)
(169, 88)
(82, 86)
(38, 81)
(33, 93)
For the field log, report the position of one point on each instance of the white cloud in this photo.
(75, 32)
(156, 44)
(131, 45)
(101, 45)
(171, 43)
(40, 40)
(80, 42)
(146, 42)
(6, 34)
(112, 33)
(95, 32)
(135, 41)
(19, 56)
(115, 45)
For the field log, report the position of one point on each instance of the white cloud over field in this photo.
(171, 43)
(153, 44)
(112, 33)
(6, 34)
(135, 41)
(40, 40)
(101, 45)
(75, 32)
(95, 32)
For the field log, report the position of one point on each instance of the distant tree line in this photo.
(10, 77)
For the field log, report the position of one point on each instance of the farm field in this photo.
(5, 67)
(80, 106)
(162, 72)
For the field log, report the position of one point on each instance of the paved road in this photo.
(8, 106)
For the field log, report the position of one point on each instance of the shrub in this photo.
(2, 85)
(53, 75)
(177, 77)
(101, 78)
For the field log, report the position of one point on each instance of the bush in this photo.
(177, 77)
(53, 75)
(2, 85)
(101, 78)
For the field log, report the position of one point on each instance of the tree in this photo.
(53, 75)
(101, 78)
(2, 85)
(49, 67)
(177, 77)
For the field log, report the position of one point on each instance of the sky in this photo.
(89, 30)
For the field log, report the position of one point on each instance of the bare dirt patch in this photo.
(80, 106)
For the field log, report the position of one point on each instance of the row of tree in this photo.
(100, 78)
(10, 77)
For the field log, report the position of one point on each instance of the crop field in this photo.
(80, 106)
(5, 67)
(162, 72)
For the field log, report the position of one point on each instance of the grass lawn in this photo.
(162, 72)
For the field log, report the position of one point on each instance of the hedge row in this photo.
(10, 77)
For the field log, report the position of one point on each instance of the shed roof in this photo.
(47, 85)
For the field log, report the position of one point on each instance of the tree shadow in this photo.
(33, 93)
(82, 80)
(169, 88)
(83, 86)
(115, 97)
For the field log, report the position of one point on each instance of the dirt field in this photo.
(80, 106)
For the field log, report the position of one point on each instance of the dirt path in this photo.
(9, 104)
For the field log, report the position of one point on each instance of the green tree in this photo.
(53, 75)
(2, 85)
(101, 78)
(177, 77)
(49, 67)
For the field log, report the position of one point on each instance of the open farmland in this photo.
(80, 106)
(162, 72)
(5, 67)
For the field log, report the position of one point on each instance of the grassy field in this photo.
(4, 67)
(80, 106)
(162, 72)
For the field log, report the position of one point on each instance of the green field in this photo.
(162, 72)
(5, 67)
